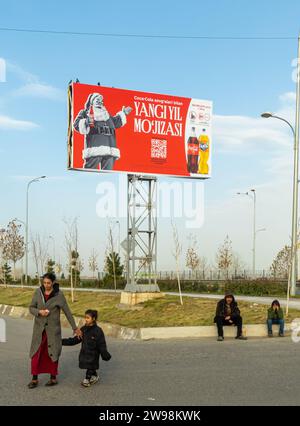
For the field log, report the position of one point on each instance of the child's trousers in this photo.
(90, 373)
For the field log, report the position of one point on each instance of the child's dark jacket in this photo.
(93, 345)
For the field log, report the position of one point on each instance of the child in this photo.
(93, 344)
(275, 316)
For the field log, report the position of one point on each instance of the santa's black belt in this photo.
(104, 130)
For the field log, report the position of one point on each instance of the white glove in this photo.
(83, 126)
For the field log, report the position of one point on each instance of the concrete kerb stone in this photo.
(112, 330)
(149, 333)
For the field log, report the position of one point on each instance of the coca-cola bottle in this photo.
(91, 119)
(192, 152)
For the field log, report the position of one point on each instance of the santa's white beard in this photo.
(100, 114)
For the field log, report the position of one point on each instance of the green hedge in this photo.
(191, 286)
(262, 287)
(258, 287)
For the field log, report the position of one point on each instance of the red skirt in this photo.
(41, 361)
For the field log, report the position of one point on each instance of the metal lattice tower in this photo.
(142, 234)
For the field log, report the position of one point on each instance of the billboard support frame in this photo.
(141, 233)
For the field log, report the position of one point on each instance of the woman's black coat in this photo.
(93, 345)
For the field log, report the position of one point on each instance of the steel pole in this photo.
(254, 233)
(295, 185)
(27, 225)
(26, 235)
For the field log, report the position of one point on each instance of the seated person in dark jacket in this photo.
(228, 313)
(275, 316)
(93, 345)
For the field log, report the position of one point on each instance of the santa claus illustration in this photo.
(99, 130)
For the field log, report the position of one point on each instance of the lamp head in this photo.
(266, 115)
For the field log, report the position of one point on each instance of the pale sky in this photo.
(242, 77)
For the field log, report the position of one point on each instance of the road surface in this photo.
(180, 372)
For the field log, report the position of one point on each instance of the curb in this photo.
(111, 330)
(150, 333)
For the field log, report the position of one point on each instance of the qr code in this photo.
(158, 148)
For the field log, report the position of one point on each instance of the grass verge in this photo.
(163, 312)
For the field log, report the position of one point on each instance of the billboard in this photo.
(117, 130)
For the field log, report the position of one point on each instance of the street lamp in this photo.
(293, 275)
(252, 194)
(26, 225)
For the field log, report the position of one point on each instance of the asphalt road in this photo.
(181, 372)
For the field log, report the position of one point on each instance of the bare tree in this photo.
(237, 263)
(203, 265)
(112, 253)
(35, 255)
(80, 265)
(93, 264)
(281, 264)
(58, 268)
(14, 247)
(40, 252)
(224, 256)
(2, 261)
(192, 257)
(71, 245)
(177, 251)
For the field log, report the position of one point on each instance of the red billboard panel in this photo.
(117, 130)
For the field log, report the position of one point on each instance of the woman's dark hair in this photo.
(92, 313)
(275, 302)
(50, 276)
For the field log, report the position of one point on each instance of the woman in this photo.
(46, 305)
(275, 316)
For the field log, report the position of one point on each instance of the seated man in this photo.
(228, 313)
(275, 316)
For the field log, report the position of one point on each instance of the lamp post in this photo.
(252, 195)
(26, 225)
(293, 273)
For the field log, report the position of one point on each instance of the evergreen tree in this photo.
(75, 267)
(6, 273)
(50, 266)
(113, 261)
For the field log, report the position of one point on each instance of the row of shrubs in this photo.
(258, 287)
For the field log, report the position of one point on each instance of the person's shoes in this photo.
(281, 335)
(241, 337)
(94, 379)
(220, 338)
(51, 382)
(33, 384)
(86, 383)
(270, 334)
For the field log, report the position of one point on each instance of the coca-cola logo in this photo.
(193, 149)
